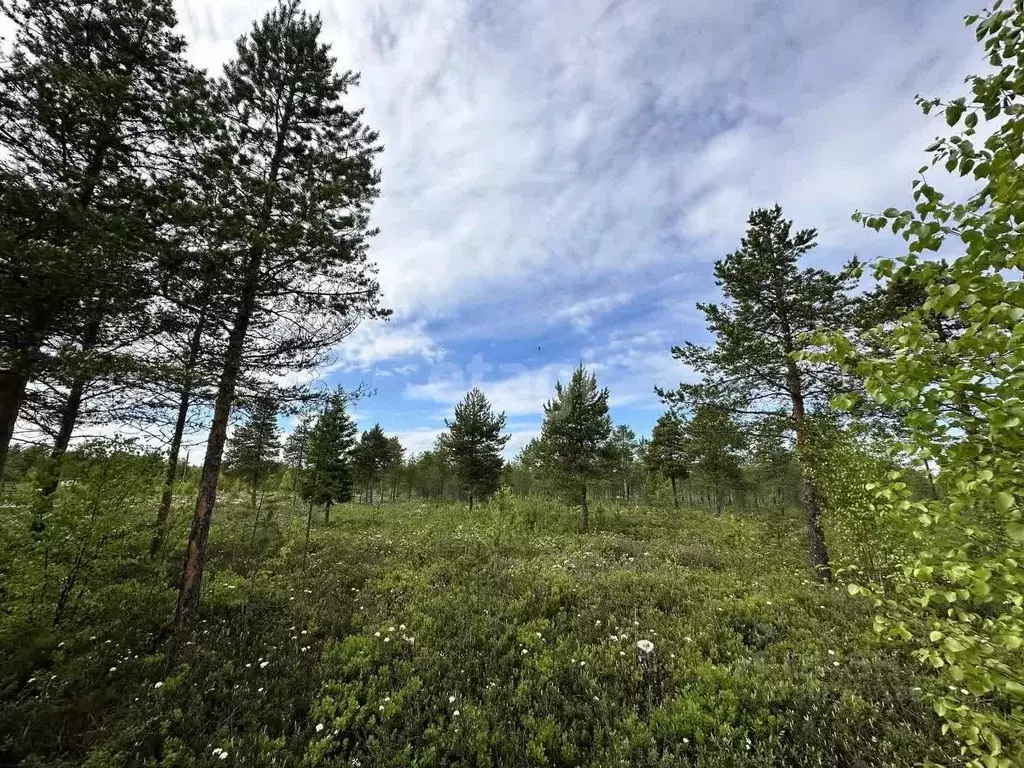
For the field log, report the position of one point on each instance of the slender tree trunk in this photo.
(470, 501)
(12, 389)
(192, 576)
(309, 524)
(817, 551)
(13, 383)
(184, 400)
(327, 513)
(931, 479)
(256, 517)
(72, 406)
(675, 494)
(585, 510)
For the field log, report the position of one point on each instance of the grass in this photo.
(423, 635)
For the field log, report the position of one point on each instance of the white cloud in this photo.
(377, 342)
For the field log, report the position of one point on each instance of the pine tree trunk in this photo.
(327, 513)
(187, 610)
(309, 524)
(675, 494)
(817, 551)
(256, 517)
(931, 479)
(13, 383)
(72, 407)
(584, 510)
(470, 501)
(184, 400)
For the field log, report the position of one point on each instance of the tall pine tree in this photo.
(475, 444)
(96, 99)
(754, 367)
(669, 452)
(297, 177)
(254, 448)
(327, 478)
(575, 436)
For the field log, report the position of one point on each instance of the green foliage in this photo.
(575, 434)
(507, 617)
(670, 452)
(254, 447)
(475, 442)
(371, 456)
(328, 474)
(715, 440)
(957, 594)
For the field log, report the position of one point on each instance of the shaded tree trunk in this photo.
(167, 497)
(817, 551)
(931, 479)
(187, 610)
(13, 383)
(675, 493)
(585, 510)
(309, 524)
(327, 513)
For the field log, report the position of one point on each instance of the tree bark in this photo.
(675, 494)
(327, 513)
(817, 550)
(184, 401)
(12, 390)
(309, 524)
(192, 576)
(584, 510)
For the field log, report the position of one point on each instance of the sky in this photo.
(559, 177)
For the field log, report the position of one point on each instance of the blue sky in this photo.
(560, 176)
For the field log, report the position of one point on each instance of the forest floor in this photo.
(419, 635)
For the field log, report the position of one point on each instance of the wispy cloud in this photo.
(567, 172)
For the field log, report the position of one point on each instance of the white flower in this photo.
(223, 755)
(113, 669)
(401, 626)
(835, 663)
(456, 713)
(831, 653)
(319, 727)
(645, 645)
(159, 684)
(387, 639)
(263, 665)
(376, 634)
(451, 699)
(391, 629)
(597, 623)
(525, 651)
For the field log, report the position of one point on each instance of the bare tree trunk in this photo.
(192, 576)
(327, 513)
(817, 551)
(256, 518)
(164, 512)
(675, 494)
(470, 501)
(72, 407)
(931, 479)
(584, 510)
(309, 524)
(13, 383)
